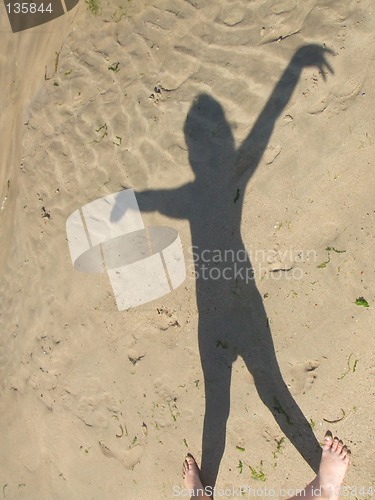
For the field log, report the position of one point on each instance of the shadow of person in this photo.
(232, 319)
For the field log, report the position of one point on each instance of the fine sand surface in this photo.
(102, 404)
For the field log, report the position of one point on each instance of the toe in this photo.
(344, 451)
(335, 443)
(191, 463)
(345, 455)
(340, 445)
(327, 440)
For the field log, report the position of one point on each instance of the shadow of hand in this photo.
(314, 55)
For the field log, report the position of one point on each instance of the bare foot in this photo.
(333, 466)
(332, 469)
(193, 483)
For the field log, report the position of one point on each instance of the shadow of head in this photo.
(209, 138)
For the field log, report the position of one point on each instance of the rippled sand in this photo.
(103, 404)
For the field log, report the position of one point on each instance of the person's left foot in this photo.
(190, 473)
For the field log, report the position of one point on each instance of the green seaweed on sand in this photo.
(104, 130)
(329, 250)
(173, 410)
(279, 447)
(93, 6)
(278, 450)
(114, 67)
(361, 301)
(118, 15)
(350, 368)
(343, 415)
(277, 406)
(258, 475)
(333, 249)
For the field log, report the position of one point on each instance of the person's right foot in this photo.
(333, 466)
(190, 473)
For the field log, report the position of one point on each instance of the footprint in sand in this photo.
(127, 445)
(303, 375)
(128, 458)
(165, 411)
(163, 388)
(90, 403)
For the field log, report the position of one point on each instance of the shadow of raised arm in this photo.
(251, 151)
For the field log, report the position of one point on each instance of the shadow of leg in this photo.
(255, 345)
(217, 389)
(276, 396)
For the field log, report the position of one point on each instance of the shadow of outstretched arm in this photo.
(252, 149)
(170, 202)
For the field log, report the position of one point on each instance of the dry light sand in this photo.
(81, 418)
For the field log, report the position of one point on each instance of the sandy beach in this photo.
(169, 98)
